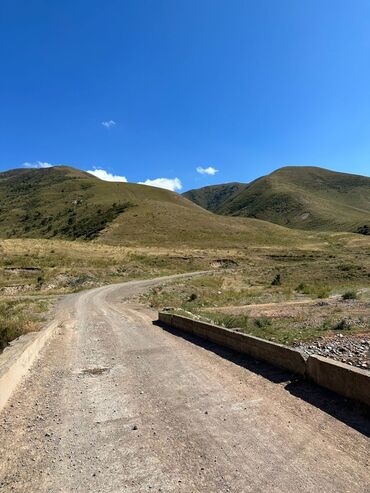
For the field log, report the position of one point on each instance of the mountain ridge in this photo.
(304, 197)
(62, 202)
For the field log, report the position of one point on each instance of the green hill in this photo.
(69, 203)
(63, 202)
(213, 196)
(305, 198)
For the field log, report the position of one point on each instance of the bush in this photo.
(364, 230)
(350, 295)
(344, 324)
(277, 280)
(263, 322)
(302, 288)
(313, 290)
(230, 321)
(322, 292)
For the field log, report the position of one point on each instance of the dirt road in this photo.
(118, 404)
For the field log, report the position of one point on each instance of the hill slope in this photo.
(62, 202)
(213, 196)
(305, 198)
(65, 202)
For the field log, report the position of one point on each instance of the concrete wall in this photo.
(341, 378)
(18, 358)
(276, 354)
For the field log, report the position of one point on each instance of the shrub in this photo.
(344, 324)
(263, 322)
(313, 290)
(322, 292)
(302, 288)
(277, 280)
(234, 321)
(350, 295)
(349, 267)
(364, 230)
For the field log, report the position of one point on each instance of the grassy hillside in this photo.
(305, 198)
(63, 202)
(213, 196)
(66, 203)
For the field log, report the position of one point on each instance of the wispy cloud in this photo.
(102, 174)
(109, 123)
(207, 171)
(39, 164)
(172, 184)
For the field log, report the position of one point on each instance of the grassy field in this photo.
(287, 297)
(56, 267)
(34, 272)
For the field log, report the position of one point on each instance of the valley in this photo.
(65, 230)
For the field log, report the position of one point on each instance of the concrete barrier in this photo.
(276, 354)
(343, 379)
(18, 358)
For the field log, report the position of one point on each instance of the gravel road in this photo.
(117, 404)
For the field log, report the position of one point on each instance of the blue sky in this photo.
(242, 87)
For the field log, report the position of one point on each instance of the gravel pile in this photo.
(347, 349)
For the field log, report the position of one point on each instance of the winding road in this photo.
(116, 403)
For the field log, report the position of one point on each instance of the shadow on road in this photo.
(353, 414)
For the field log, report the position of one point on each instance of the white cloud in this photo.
(104, 175)
(172, 184)
(108, 124)
(39, 164)
(207, 171)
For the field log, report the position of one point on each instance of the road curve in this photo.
(117, 404)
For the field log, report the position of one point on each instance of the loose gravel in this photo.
(354, 351)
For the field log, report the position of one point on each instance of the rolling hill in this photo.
(308, 198)
(63, 202)
(213, 196)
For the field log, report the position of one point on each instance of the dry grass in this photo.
(34, 268)
(20, 316)
(295, 310)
